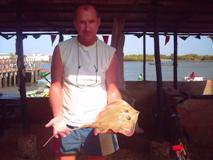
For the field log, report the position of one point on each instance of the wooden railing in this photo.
(9, 71)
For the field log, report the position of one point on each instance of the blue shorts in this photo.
(84, 141)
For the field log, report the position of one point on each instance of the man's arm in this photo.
(56, 83)
(57, 70)
(113, 92)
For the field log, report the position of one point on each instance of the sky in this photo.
(133, 45)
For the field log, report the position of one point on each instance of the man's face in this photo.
(87, 24)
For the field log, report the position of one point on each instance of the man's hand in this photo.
(59, 127)
(107, 131)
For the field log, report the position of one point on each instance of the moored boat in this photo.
(193, 77)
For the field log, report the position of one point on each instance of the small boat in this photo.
(192, 77)
(187, 78)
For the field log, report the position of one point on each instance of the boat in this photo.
(193, 77)
(187, 78)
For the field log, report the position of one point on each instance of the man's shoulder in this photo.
(68, 41)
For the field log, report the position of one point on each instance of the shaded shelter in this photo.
(150, 17)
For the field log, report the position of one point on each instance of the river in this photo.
(201, 69)
(133, 69)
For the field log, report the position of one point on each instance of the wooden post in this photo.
(33, 76)
(158, 68)
(118, 42)
(10, 78)
(175, 61)
(1, 78)
(14, 78)
(5, 77)
(1, 72)
(20, 65)
(158, 112)
(36, 75)
(144, 56)
(19, 51)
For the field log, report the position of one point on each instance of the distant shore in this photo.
(187, 57)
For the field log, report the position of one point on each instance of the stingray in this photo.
(118, 117)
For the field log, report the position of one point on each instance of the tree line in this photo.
(186, 57)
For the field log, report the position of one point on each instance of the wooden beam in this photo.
(21, 67)
(144, 56)
(118, 39)
(175, 61)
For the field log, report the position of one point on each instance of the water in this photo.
(201, 69)
(133, 69)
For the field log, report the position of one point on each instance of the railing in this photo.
(9, 71)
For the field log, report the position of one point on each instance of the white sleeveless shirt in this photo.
(84, 90)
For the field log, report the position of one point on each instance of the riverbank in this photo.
(207, 88)
(186, 57)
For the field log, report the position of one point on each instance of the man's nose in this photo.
(87, 26)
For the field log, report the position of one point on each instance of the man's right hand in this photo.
(59, 127)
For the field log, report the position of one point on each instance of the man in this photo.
(83, 82)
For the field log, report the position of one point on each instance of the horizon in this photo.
(132, 46)
(133, 54)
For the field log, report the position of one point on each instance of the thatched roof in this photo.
(182, 16)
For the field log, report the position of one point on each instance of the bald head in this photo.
(85, 7)
(87, 23)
